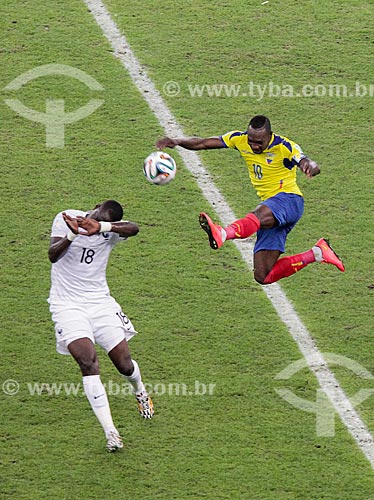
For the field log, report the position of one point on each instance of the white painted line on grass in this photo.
(282, 305)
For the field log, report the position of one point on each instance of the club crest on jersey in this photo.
(269, 157)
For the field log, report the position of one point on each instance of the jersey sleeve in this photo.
(293, 154)
(229, 139)
(297, 153)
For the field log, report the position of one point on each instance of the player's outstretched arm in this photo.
(92, 226)
(125, 228)
(194, 143)
(309, 167)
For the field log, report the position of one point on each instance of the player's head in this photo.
(259, 133)
(108, 211)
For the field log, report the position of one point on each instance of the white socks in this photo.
(224, 235)
(96, 395)
(317, 254)
(135, 379)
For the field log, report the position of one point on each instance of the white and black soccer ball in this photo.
(159, 168)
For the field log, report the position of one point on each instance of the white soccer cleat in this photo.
(145, 405)
(114, 441)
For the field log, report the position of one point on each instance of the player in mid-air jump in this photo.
(271, 160)
(83, 310)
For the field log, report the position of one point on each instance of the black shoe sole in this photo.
(336, 255)
(205, 226)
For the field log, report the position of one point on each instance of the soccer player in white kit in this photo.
(83, 310)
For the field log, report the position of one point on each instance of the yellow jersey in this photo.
(272, 171)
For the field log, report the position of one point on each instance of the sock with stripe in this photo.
(242, 228)
(286, 266)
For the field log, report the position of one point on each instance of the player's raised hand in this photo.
(166, 142)
(71, 223)
(309, 167)
(90, 226)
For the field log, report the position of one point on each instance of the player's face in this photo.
(98, 213)
(258, 139)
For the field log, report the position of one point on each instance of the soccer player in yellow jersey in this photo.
(272, 162)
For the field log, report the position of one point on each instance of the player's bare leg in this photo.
(263, 262)
(84, 352)
(122, 360)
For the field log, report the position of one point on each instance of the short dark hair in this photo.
(260, 121)
(113, 209)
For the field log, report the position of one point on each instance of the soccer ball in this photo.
(159, 168)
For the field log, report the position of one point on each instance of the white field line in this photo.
(277, 297)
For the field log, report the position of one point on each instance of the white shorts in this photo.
(104, 323)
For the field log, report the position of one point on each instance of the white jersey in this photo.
(80, 274)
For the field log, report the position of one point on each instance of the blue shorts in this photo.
(287, 208)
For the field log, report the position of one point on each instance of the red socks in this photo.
(289, 265)
(284, 267)
(243, 228)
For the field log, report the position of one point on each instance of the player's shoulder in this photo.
(59, 227)
(233, 137)
(282, 142)
(234, 133)
(73, 213)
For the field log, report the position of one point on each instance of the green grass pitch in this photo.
(199, 314)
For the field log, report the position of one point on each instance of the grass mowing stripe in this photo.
(284, 308)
